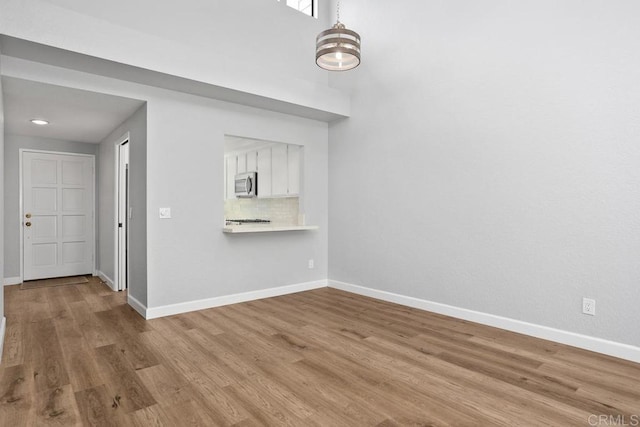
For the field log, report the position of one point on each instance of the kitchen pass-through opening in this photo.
(262, 182)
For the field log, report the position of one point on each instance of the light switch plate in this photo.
(165, 213)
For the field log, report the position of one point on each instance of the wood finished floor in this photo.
(78, 355)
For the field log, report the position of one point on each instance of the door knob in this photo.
(28, 224)
(28, 215)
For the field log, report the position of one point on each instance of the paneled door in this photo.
(57, 215)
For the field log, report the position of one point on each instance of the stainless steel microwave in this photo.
(246, 184)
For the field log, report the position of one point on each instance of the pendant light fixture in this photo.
(338, 49)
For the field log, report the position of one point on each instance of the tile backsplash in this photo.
(281, 211)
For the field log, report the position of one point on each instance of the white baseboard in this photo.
(612, 348)
(3, 328)
(106, 279)
(137, 306)
(168, 310)
(8, 281)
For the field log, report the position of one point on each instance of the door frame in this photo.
(117, 285)
(21, 152)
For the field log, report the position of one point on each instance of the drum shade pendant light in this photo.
(338, 49)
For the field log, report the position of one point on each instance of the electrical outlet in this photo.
(589, 306)
(165, 213)
(311, 264)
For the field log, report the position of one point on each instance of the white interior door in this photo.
(57, 215)
(122, 257)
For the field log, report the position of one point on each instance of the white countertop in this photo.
(265, 228)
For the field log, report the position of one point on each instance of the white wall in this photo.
(136, 126)
(2, 318)
(260, 47)
(188, 256)
(12, 214)
(495, 151)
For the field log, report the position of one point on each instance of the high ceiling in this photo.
(73, 115)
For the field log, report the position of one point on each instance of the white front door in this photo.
(57, 215)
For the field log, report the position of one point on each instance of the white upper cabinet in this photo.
(264, 172)
(231, 170)
(279, 173)
(293, 169)
(278, 167)
(242, 163)
(252, 161)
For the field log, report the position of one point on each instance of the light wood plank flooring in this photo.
(78, 355)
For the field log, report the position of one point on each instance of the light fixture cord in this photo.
(338, 12)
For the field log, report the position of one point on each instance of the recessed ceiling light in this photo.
(39, 122)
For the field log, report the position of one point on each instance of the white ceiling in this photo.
(236, 143)
(73, 114)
